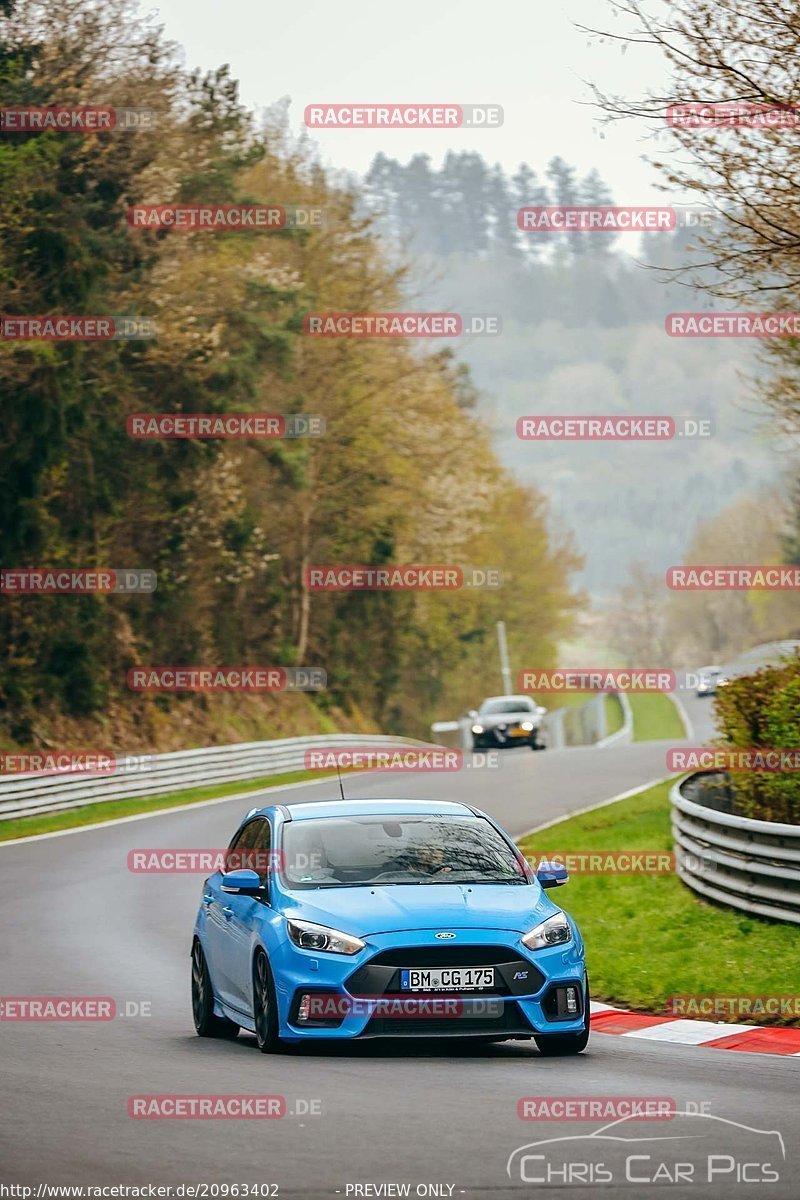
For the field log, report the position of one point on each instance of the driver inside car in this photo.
(431, 859)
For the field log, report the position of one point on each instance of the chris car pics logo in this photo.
(695, 1148)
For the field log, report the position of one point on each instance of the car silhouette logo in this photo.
(445, 937)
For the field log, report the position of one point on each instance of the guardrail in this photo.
(148, 775)
(738, 861)
(625, 732)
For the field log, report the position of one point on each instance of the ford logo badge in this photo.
(445, 937)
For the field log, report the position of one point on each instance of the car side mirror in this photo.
(472, 714)
(551, 874)
(241, 883)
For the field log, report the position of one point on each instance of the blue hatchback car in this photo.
(385, 918)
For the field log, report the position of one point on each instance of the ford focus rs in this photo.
(385, 918)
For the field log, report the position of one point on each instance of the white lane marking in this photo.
(578, 812)
(160, 812)
(596, 1007)
(688, 1033)
(684, 716)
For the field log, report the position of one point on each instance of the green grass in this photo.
(73, 818)
(655, 717)
(615, 717)
(648, 937)
(614, 714)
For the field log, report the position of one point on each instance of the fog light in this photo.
(304, 1007)
(572, 1000)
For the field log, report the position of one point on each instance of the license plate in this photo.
(445, 979)
(518, 732)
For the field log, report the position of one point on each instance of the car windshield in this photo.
(506, 706)
(361, 851)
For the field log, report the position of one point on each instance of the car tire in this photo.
(553, 1045)
(265, 1006)
(206, 1022)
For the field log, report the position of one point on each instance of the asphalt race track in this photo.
(77, 922)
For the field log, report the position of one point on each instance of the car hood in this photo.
(393, 908)
(492, 720)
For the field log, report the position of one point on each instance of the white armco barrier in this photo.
(154, 774)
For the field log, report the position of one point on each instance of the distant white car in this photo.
(710, 678)
(508, 721)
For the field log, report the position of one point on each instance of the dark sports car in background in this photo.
(709, 679)
(508, 721)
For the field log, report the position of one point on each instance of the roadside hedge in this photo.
(763, 710)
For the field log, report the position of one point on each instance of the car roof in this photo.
(527, 699)
(377, 808)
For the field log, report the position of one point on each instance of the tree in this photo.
(637, 623)
(744, 51)
(404, 470)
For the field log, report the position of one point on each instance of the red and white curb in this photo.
(758, 1039)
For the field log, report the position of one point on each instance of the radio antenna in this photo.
(339, 777)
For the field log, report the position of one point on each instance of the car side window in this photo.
(262, 847)
(245, 839)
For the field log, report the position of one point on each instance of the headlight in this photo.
(309, 936)
(527, 726)
(477, 729)
(555, 931)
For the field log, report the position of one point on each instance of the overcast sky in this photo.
(526, 55)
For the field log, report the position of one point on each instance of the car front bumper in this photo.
(489, 740)
(362, 989)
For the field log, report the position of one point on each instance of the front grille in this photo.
(444, 956)
(510, 1023)
(381, 975)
